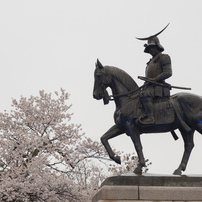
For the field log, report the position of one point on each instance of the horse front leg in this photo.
(111, 133)
(135, 136)
(188, 146)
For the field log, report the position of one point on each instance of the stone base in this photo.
(149, 188)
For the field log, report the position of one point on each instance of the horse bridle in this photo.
(111, 97)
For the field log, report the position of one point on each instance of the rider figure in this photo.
(158, 69)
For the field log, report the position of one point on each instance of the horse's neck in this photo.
(120, 93)
(122, 84)
(117, 88)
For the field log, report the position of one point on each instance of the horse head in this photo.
(118, 80)
(102, 81)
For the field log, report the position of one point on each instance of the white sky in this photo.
(48, 44)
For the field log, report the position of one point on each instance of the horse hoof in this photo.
(117, 159)
(177, 172)
(138, 170)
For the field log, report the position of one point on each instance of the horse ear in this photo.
(99, 65)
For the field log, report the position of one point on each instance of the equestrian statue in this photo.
(149, 108)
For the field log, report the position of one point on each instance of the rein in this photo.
(111, 97)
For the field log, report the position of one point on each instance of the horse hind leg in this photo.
(188, 146)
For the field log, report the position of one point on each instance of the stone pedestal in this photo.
(149, 188)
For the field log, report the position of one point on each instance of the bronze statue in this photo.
(182, 111)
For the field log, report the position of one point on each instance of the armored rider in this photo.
(158, 69)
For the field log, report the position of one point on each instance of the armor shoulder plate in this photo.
(165, 59)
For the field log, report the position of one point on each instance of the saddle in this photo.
(164, 112)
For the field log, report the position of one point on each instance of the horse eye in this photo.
(99, 75)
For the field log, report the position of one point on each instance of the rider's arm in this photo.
(165, 63)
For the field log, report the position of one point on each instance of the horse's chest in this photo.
(127, 112)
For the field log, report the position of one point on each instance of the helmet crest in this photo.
(153, 41)
(150, 37)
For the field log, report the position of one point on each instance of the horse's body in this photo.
(187, 119)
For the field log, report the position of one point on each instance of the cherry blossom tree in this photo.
(41, 151)
(44, 157)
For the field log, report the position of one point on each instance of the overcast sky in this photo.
(46, 45)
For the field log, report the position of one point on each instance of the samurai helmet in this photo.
(153, 41)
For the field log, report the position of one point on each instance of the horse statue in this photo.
(182, 111)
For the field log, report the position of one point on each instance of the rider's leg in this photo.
(147, 101)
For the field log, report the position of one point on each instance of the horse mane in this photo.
(122, 76)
